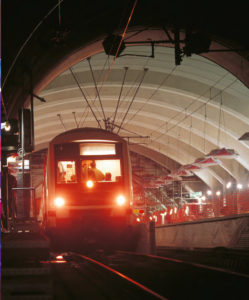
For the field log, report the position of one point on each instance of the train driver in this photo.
(94, 173)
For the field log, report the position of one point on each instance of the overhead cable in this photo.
(126, 69)
(154, 92)
(196, 99)
(123, 35)
(88, 59)
(60, 118)
(26, 41)
(145, 71)
(198, 108)
(85, 97)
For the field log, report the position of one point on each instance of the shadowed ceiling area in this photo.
(171, 114)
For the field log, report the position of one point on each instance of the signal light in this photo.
(10, 135)
(89, 184)
(59, 202)
(120, 200)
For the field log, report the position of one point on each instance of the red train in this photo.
(88, 183)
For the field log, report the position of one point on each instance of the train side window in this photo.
(66, 172)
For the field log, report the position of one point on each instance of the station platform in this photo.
(24, 275)
(22, 246)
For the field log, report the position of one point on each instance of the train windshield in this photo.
(66, 171)
(107, 170)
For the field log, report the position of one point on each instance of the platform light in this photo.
(59, 257)
(163, 217)
(120, 200)
(59, 202)
(7, 127)
(229, 184)
(186, 210)
(218, 193)
(155, 218)
(203, 198)
(59, 260)
(209, 192)
(239, 186)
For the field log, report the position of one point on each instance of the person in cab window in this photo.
(94, 173)
(84, 170)
(60, 173)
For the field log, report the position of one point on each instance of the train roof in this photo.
(86, 133)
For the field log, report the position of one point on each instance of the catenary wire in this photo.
(96, 88)
(100, 75)
(144, 73)
(195, 100)
(114, 60)
(153, 93)
(198, 108)
(26, 41)
(114, 118)
(85, 97)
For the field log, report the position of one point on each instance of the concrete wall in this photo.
(223, 232)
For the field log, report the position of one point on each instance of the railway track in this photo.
(127, 275)
(175, 278)
(80, 277)
(123, 275)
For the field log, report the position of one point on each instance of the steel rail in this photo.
(181, 261)
(141, 286)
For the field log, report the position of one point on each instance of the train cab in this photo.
(87, 180)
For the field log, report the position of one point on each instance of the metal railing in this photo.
(229, 204)
(22, 206)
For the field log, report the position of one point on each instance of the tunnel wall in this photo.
(223, 232)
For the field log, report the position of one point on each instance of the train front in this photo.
(89, 185)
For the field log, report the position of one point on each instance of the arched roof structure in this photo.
(173, 114)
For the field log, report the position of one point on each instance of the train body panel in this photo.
(87, 180)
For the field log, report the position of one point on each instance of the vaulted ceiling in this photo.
(172, 114)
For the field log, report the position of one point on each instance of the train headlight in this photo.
(59, 202)
(89, 184)
(120, 200)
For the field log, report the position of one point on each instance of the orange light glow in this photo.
(97, 149)
(120, 200)
(59, 202)
(89, 184)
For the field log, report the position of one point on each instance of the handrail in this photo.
(32, 199)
